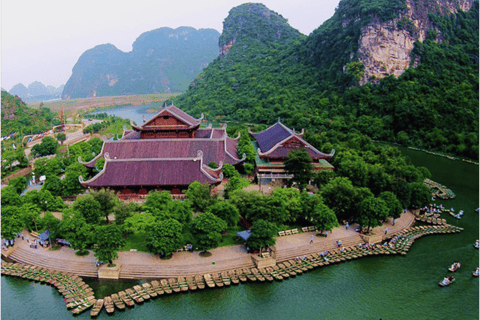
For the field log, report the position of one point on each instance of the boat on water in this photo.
(455, 266)
(457, 216)
(446, 281)
(476, 273)
(477, 244)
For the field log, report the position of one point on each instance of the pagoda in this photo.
(273, 146)
(167, 152)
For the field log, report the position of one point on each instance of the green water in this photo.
(387, 287)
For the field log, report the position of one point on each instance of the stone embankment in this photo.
(80, 297)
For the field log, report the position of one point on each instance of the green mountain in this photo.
(17, 117)
(162, 60)
(406, 74)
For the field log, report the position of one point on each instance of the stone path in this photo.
(141, 265)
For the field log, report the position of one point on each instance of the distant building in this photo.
(273, 146)
(168, 152)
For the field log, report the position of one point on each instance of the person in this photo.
(386, 230)
(28, 240)
(445, 281)
(476, 273)
(451, 278)
(393, 222)
(385, 244)
(311, 238)
(248, 249)
(346, 226)
(477, 244)
(326, 233)
(343, 249)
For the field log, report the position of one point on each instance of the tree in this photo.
(48, 146)
(11, 225)
(235, 183)
(323, 218)
(109, 240)
(421, 195)
(30, 216)
(199, 195)
(89, 208)
(229, 170)
(123, 211)
(18, 183)
(54, 185)
(61, 137)
(139, 221)
(157, 200)
(395, 209)
(76, 230)
(10, 197)
(371, 211)
(225, 211)
(164, 237)
(339, 195)
(206, 229)
(106, 199)
(262, 234)
(299, 163)
(71, 184)
(290, 199)
(50, 222)
(181, 211)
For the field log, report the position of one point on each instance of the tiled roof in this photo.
(131, 135)
(152, 172)
(213, 149)
(270, 137)
(204, 133)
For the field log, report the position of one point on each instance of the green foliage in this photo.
(108, 239)
(213, 165)
(11, 223)
(302, 80)
(157, 200)
(323, 218)
(138, 221)
(394, 206)
(89, 208)
(17, 117)
(10, 197)
(48, 146)
(107, 200)
(229, 170)
(74, 228)
(371, 211)
(206, 229)
(262, 234)
(199, 195)
(355, 70)
(50, 222)
(299, 163)
(61, 137)
(421, 195)
(225, 211)
(122, 211)
(235, 183)
(18, 183)
(164, 237)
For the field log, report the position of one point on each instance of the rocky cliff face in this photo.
(385, 47)
(162, 60)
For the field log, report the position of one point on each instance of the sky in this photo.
(41, 40)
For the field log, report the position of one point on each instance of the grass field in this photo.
(97, 102)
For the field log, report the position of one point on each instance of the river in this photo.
(375, 287)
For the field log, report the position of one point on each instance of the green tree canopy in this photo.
(323, 218)
(225, 211)
(206, 228)
(89, 208)
(18, 183)
(164, 237)
(76, 230)
(421, 195)
(299, 163)
(395, 209)
(262, 234)
(109, 240)
(10, 197)
(371, 211)
(157, 200)
(106, 199)
(199, 195)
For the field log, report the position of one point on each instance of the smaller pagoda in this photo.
(273, 146)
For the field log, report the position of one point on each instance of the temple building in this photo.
(273, 146)
(168, 152)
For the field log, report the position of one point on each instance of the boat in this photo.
(97, 308)
(477, 244)
(446, 282)
(108, 302)
(455, 266)
(476, 272)
(460, 213)
(458, 216)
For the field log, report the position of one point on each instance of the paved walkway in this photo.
(145, 265)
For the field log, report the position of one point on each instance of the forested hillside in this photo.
(313, 82)
(17, 117)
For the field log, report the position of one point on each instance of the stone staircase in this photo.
(145, 271)
(26, 256)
